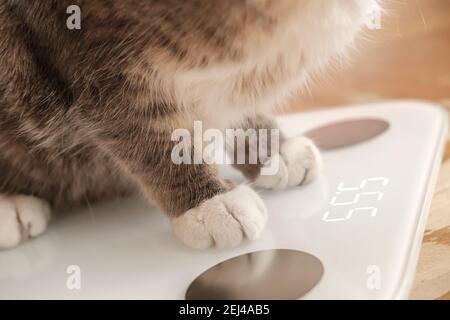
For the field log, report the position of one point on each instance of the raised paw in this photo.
(223, 221)
(299, 162)
(21, 218)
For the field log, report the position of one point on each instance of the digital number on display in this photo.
(362, 192)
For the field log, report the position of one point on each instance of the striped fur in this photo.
(87, 114)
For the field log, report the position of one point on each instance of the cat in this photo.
(86, 114)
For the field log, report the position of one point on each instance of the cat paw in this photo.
(299, 162)
(224, 221)
(21, 218)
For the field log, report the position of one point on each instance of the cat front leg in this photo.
(295, 161)
(205, 211)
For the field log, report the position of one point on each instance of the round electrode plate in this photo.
(262, 275)
(347, 133)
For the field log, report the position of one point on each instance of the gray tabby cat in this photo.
(88, 114)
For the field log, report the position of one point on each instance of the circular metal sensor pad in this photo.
(347, 133)
(262, 275)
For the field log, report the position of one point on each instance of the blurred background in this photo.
(409, 58)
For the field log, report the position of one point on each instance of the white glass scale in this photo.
(361, 223)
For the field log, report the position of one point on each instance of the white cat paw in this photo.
(21, 218)
(223, 221)
(299, 162)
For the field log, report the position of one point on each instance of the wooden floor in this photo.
(408, 58)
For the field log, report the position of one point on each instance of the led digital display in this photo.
(370, 190)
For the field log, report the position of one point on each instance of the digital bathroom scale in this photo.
(355, 233)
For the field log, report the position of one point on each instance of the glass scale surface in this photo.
(355, 233)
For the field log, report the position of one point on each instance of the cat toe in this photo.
(21, 218)
(299, 162)
(224, 221)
